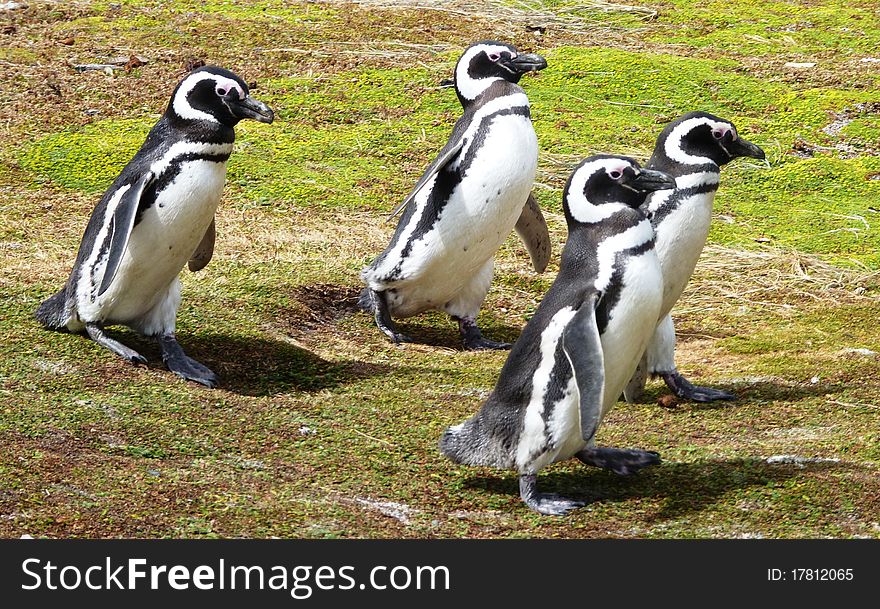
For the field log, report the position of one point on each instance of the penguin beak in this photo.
(526, 62)
(741, 147)
(250, 108)
(649, 180)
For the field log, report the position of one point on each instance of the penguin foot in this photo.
(473, 339)
(371, 300)
(684, 389)
(96, 333)
(183, 365)
(544, 503)
(621, 461)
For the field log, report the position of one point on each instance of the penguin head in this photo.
(700, 138)
(216, 95)
(486, 62)
(603, 184)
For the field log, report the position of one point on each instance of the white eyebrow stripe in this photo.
(673, 148)
(181, 104)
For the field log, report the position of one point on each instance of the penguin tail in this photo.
(52, 313)
(450, 444)
(468, 444)
(365, 301)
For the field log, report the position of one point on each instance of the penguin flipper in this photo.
(205, 251)
(449, 152)
(120, 227)
(583, 348)
(532, 229)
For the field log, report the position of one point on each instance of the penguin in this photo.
(692, 149)
(157, 216)
(574, 356)
(466, 203)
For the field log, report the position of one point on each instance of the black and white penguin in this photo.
(157, 215)
(692, 149)
(466, 203)
(572, 360)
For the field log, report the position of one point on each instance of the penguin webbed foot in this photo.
(96, 333)
(619, 460)
(183, 365)
(686, 390)
(549, 504)
(473, 339)
(375, 302)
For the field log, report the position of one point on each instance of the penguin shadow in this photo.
(683, 488)
(782, 391)
(438, 330)
(263, 366)
(745, 392)
(259, 366)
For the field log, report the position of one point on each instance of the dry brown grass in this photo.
(583, 18)
(773, 278)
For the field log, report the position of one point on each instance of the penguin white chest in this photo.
(482, 210)
(680, 240)
(631, 323)
(164, 239)
(478, 216)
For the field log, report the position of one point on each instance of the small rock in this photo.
(135, 61)
(107, 68)
(667, 401)
(797, 460)
(398, 511)
(800, 65)
(860, 351)
(11, 6)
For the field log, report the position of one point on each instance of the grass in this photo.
(319, 421)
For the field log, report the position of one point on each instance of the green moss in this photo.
(819, 205)
(770, 28)
(18, 55)
(597, 99)
(88, 159)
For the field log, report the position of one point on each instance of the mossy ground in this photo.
(319, 419)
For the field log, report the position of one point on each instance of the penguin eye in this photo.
(615, 174)
(225, 89)
(719, 133)
(494, 56)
